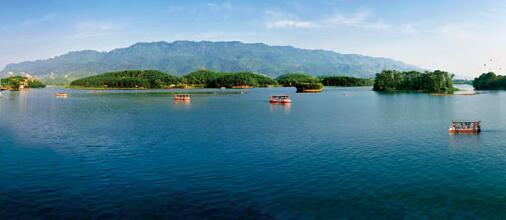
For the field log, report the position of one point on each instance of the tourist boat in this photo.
(62, 95)
(280, 99)
(465, 127)
(182, 97)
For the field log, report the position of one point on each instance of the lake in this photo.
(343, 153)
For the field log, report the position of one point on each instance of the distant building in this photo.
(23, 84)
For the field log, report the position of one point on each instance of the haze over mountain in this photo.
(181, 57)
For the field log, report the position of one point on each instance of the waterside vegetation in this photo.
(20, 82)
(345, 81)
(210, 79)
(413, 81)
(290, 79)
(153, 79)
(489, 81)
(142, 79)
(386, 81)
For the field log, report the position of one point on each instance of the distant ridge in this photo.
(181, 57)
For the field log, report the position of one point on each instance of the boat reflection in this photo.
(182, 101)
(280, 106)
(463, 141)
(182, 104)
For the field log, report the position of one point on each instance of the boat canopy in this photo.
(465, 122)
(463, 125)
(281, 96)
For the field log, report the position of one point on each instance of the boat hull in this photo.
(280, 102)
(61, 95)
(309, 90)
(468, 131)
(182, 99)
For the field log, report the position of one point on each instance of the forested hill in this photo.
(181, 57)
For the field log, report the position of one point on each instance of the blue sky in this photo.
(457, 36)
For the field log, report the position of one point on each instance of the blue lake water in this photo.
(138, 154)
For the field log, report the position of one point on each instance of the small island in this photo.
(302, 82)
(345, 81)
(413, 81)
(129, 79)
(20, 82)
(490, 81)
(153, 79)
(239, 80)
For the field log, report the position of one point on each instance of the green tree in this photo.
(391, 80)
(345, 81)
(489, 81)
(291, 79)
(149, 79)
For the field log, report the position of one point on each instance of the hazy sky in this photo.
(457, 36)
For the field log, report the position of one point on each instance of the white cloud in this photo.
(360, 19)
(290, 24)
(99, 26)
(219, 6)
(410, 29)
(222, 35)
(90, 29)
(200, 8)
(458, 30)
(176, 9)
(39, 20)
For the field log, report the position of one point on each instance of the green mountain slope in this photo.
(181, 57)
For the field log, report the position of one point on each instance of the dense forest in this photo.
(14, 82)
(308, 86)
(291, 79)
(147, 79)
(489, 81)
(210, 79)
(201, 78)
(391, 81)
(345, 81)
(150, 79)
(302, 82)
(231, 80)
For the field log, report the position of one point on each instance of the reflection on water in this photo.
(225, 155)
(459, 140)
(280, 107)
(182, 104)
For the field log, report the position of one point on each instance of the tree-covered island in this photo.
(153, 79)
(20, 82)
(210, 79)
(345, 81)
(302, 82)
(490, 81)
(140, 79)
(413, 81)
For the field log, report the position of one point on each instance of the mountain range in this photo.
(181, 57)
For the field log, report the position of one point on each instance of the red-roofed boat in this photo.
(280, 99)
(182, 97)
(465, 127)
(61, 95)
